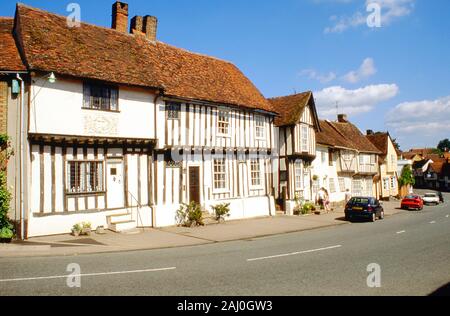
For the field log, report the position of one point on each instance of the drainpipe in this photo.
(21, 157)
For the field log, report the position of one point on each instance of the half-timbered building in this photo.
(296, 129)
(122, 128)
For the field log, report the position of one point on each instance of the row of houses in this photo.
(431, 169)
(113, 127)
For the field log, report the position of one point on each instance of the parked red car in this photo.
(412, 202)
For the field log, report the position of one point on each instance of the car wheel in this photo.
(382, 215)
(374, 218)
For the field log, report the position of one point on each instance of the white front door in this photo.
(115, 185)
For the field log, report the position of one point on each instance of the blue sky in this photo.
(394, 78)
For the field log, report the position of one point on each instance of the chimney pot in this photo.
(342, 118)
(370, 132)
(120, 16)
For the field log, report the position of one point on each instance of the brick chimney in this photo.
(342, 118)
(137, 25)
(120, 16)
(150, 27)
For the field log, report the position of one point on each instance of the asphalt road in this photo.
(411, 249)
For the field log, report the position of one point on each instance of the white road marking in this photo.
(401, 232)
(294, 253)
(86, 275)
(433, 222)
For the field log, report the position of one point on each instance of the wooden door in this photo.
(194, 184)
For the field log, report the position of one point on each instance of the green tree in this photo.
(396, 144)
(444, 145)
(407, 177)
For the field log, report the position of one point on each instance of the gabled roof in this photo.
(10, 58)
(291, 107)
(354, 136)
(95, 52)
(381, 141)
(329, 136)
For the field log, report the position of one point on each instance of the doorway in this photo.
(115, 183)
(194, 184)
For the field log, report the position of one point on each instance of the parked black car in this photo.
(365, 208)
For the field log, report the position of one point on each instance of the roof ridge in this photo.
(290, 95)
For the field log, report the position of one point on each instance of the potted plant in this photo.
(190, 215)
(86, 229)
(6, 234)
(221, 211)
(76, 230)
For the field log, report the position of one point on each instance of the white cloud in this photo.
(366, 70)
(323, 78)
(353, 102)
(428, 117)
(391, 10)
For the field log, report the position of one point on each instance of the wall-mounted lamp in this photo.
(52, 78)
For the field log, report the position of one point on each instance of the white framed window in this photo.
(84, 177)
(304, 138)
(357, 187)
(324, 157)
(393, 183)
(255, 173)
(173, 111)
(386, 184)
(260, 128)
(332, 185)
(220, 174)
(223, 123)
(299, 183)
(342, 187)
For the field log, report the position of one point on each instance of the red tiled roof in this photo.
(354, 136)
(104, 54)
(329, 136)
(10, 58)
(291, 107)
(380, 140)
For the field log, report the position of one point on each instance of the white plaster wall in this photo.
(57, 109)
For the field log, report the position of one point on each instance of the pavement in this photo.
(406, 254)
(172, 237)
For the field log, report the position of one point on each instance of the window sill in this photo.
(81, 194)
(100, 110)
(221, 191)
(224, 135)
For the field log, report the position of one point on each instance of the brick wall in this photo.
(3, 107)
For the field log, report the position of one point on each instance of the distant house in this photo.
(387, 182)
(295, 134)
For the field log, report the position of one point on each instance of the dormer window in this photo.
(173, 111)
(100, 97)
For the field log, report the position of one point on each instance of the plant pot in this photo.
(5, 240)
(86, 231)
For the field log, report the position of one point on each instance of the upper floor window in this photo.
(255, 168)
(85, 176)
(223, 122)
(220, 174)
(260, 128)
(100, 97)
(173, 111)
(304, 138)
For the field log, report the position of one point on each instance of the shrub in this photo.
(5, 198)
(308, 208)
(6, 232)
(221, 211)
(77, 228)
(189, 215)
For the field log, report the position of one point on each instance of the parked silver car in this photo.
(431, 199)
